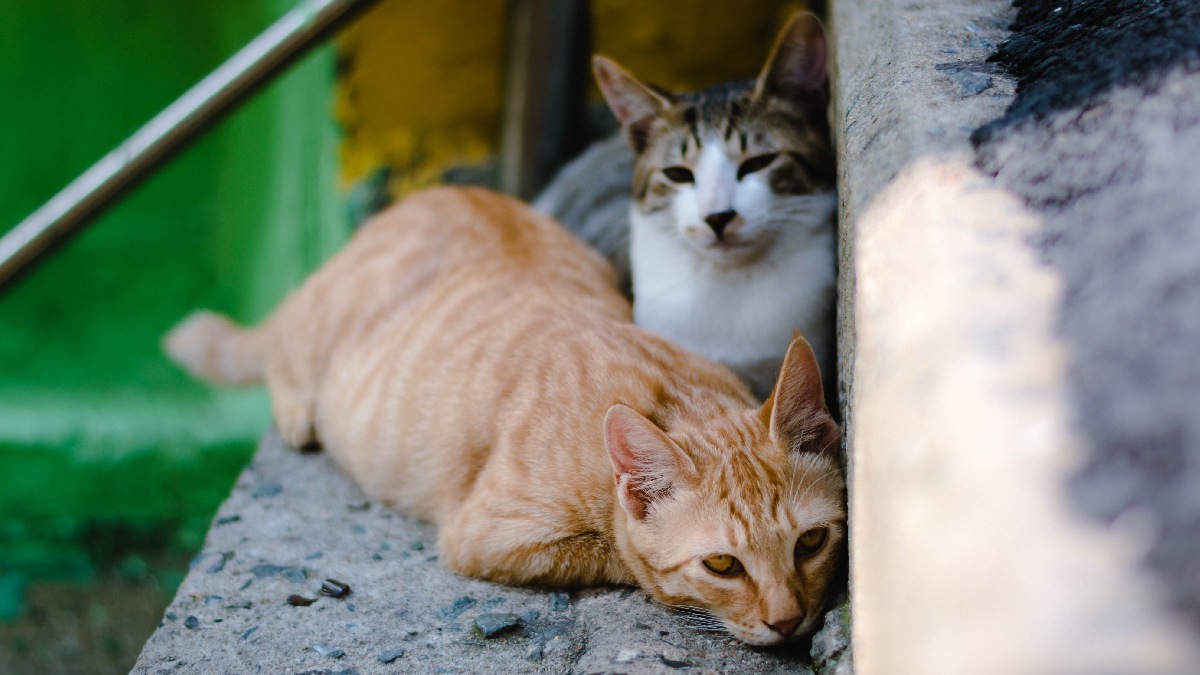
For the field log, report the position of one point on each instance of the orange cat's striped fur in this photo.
(468, 360)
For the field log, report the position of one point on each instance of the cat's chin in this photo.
(764, 637)
(729, 253)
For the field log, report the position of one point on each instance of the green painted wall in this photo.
(96, 429)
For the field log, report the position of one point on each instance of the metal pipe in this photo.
(169, 132)
(548, 54)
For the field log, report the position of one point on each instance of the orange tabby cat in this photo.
(470, 361)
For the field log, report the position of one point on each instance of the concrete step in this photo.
(294, 520)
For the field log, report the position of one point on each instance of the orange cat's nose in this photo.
(785, 628)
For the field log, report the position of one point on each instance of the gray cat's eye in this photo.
(679, 174)
(756, 163)
(811, 541)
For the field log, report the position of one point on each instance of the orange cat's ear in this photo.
(796, 67)
(635, 104)
(647, 463)
(796, 413)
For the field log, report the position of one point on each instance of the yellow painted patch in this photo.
(420, 88)
(686, 45)
(422, 82)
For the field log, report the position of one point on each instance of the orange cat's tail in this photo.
(212, 347)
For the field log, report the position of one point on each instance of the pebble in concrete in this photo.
(454, 609)
(296, 600)
(333, 588)
(331, 652)
(268, 490)
(294, 574)
(970, 83)
(215, 562)
(390, 655)
(676, 663)
(495, 624)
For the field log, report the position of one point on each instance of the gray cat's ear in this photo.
(796, 413)
(647, 463)
(634, 104)
(796, 68)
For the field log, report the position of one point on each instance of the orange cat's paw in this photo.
(295, 423)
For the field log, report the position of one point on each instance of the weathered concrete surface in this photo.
(967, 553)
(1102, 141)
(294, 520)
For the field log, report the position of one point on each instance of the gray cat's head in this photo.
(733, 167)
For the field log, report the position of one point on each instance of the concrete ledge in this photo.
(967, 556)
(294, 520)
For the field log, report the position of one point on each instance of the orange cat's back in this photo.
(463, 242)
(460, 326)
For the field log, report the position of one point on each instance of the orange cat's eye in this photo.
(679, 174)
(723, 565)
(811, 541)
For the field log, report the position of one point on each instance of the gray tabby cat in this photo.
(728, 232)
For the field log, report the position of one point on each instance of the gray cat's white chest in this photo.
(743, 317)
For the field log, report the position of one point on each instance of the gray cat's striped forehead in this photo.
(717, 104)
(745, 126)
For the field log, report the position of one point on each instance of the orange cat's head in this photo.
(741, 519)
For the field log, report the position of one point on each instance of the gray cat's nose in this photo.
(718, 221)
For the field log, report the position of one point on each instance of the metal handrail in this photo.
(169, 132)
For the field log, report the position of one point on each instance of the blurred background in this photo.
(112, 461)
